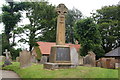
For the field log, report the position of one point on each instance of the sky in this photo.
(85, 6)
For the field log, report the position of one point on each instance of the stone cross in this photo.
(7, 53)
(61, 9)
(60, 36)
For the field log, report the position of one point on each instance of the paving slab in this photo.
(4, 75)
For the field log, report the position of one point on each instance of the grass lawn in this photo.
(37, 71)
(1, 63)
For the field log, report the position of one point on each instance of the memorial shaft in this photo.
(60, 36)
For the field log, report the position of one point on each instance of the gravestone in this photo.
(81, 60)
(90, 60)
(2, 58)
(43, 59)
(74, 56)
(117, 65)
(33, 59)
(7, 60)
(98, 63)
(8, 55)
(25, 59)
(17, 59)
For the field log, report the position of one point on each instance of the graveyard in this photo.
(62, 42)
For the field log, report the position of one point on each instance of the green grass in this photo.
(37, 71)
(1, 63)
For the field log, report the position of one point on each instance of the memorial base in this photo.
(53, 66)
(59, 58)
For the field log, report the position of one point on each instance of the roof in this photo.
(115, 52)
(45, 47)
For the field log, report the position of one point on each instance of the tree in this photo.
(4, 42)
(42, 18)
(10, 17)
(15, 53)
(71, 17)
(89, 37)
(107, 19)
(0, 43)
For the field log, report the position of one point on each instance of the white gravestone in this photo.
(74, 56)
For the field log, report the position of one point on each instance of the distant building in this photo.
(114, 54)
(111, 59)
(45, 48)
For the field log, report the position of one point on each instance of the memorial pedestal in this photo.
(59, 58)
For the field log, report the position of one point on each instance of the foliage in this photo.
(42, 19)
(0, 44)
(71, 17)
(89, 37)
(107, 19)
(15, 53)
(4, 43)
(10, 17)
(37, 71)
(38, 52)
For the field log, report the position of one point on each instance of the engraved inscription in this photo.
(63, 54)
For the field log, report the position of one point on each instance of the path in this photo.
(8, 74)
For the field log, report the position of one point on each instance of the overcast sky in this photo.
(85, 6)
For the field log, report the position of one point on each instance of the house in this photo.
(45, 48)
(110, 60)
(114, 54)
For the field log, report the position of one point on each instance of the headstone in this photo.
(81, 60)
(7, 60)
(98, 63)
(43, 59)
(33, 59)
(17, 59)
(2, 58)
(74, 56)
(89, 59)
(25, 59)
(117, 65)
(8, 55)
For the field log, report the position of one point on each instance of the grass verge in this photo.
(37, 71)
